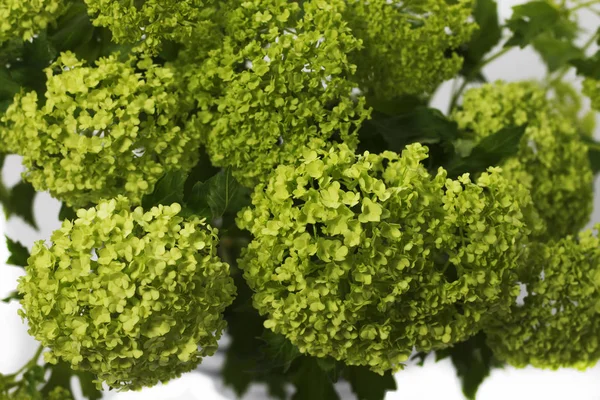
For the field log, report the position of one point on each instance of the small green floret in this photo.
(557, 322)
(135, 297)
(102, 131)
(364, 257)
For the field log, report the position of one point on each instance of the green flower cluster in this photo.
(134, 297)
(279, 77)
(23, 19)
(557, 323)
(408, 47)
(364, 257)
(152, 21)
(552, 161)
(58, 393)
(111, 129)
(591, 88)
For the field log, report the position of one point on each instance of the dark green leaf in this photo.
(555, 52)
(88, 387)
(66, 212)
(530, 20)
(13, 296)
(8, 86)
(593, 153)
(202, 171)
(312, 382)
(421, 356)
(168, 190)
(218, 195)
(246, 359)
(20, 203)
(400, 105)
(488, 35)
(367, 385)
(473, 361)
(588, 67)
(279, 350)
(18, 253)
(423, 124)
(491, 151)
(61, 375)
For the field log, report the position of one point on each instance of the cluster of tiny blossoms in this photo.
(552, 161)
(23, 19)
(109, 129)
(591, 88)
(58, 393)
(279, 77)
(558, 321)
(406, 44)
(154, 21)
(133, 296)
(364, 257)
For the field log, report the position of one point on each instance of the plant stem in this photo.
(456, 95)
(31, 362)
(565, 69)
(584, 5)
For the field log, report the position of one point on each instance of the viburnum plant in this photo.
(272, 169)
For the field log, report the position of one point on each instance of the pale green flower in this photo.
(135, 297)
(103, 130)
(409, 47)
(552, 161)
(362, 258)
(264, 96)
(556, 324)
(153, 21)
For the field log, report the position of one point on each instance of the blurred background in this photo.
(432, 381)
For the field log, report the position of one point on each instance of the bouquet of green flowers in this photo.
(273, 169)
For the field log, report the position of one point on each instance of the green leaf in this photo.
(489, 34)
(312, 382)
(20, 203)
(66, 212)
(247, 359)
(279, 350)
(168, 190)
(202, 171)
(61, 375)
(367, 385)
(490, 151)
(12, 296)
(588, 67)
(530, 20)
(8, 86)
(593, 153)
(218, 195)
(399, 105)
(473, 361)
(556, 52)
(18, 253)
(423, 124)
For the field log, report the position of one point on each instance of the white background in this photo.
(431, 382)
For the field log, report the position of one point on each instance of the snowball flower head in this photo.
(135, 297)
